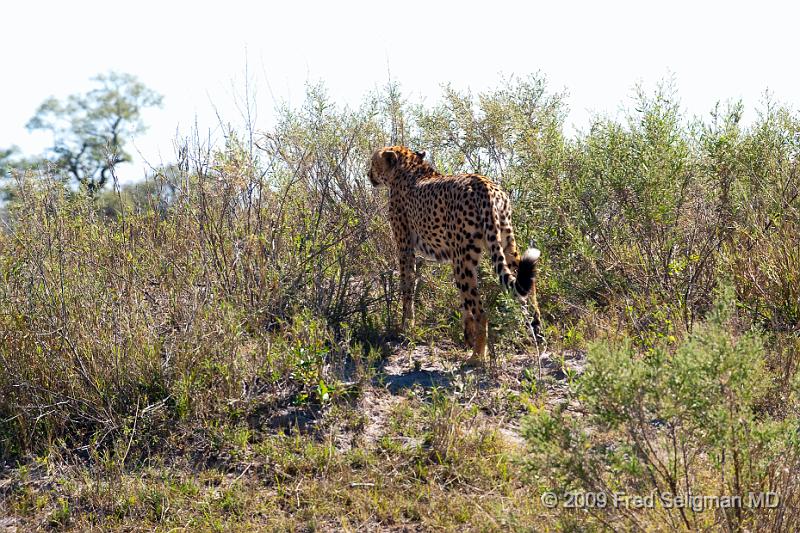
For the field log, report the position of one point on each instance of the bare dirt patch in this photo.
(410, 369)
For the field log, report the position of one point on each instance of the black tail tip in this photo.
(527, 271)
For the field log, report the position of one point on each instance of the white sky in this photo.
(194, 53)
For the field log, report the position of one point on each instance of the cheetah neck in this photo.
(422, 172)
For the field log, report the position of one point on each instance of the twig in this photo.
(133, 432)
(242, 474)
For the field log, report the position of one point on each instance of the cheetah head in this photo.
(387, 162)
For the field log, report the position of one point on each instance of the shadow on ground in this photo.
(397, 383)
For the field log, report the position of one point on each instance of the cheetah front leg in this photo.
(408, 282)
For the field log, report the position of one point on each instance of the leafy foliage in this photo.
(653, 423)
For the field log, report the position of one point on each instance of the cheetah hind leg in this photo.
(467, 320)
(472, 313)
(479, 352)
(469, 328)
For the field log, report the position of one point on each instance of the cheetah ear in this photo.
(420, 155)
(390, 156)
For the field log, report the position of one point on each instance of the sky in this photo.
(199, 54)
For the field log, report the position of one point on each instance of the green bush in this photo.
(680, 422)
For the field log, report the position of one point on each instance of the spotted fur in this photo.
(452, 218)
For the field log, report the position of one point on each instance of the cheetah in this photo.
(453, 218)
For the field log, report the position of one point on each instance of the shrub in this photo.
(184, 300)
(676, 422)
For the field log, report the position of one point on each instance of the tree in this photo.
(6, 163)
(12, 163)
(90, 130)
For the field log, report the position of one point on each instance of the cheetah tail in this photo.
(526, 272)
(520, 284)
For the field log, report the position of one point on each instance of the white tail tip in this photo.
(532, 254)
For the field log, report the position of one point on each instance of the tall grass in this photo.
(184, 299)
